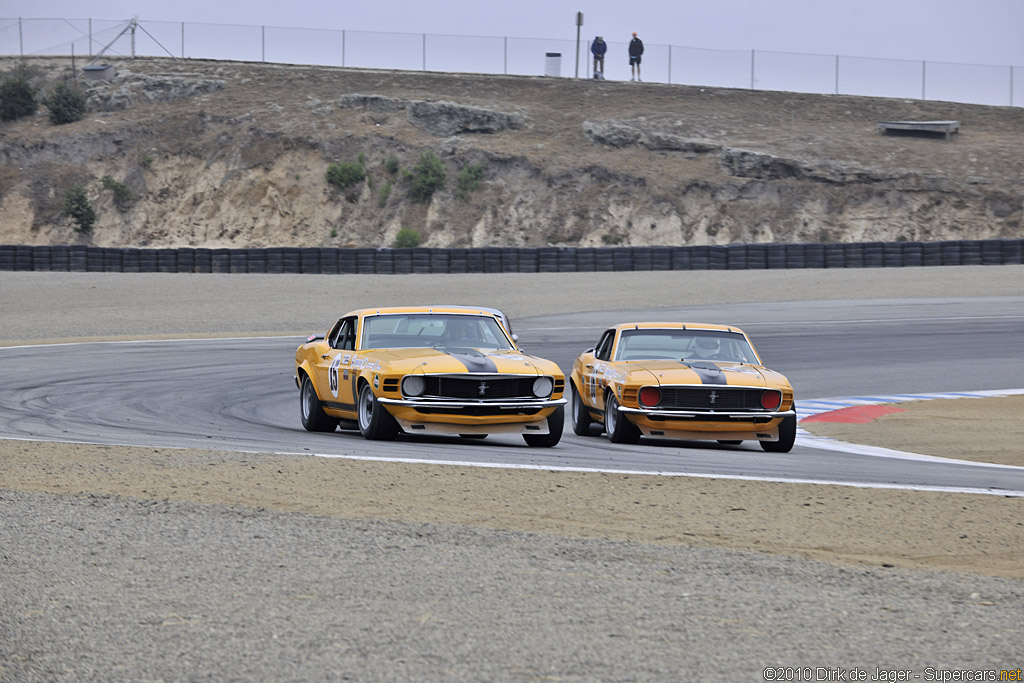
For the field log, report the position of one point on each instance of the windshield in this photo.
(680, 344)
(438, 330)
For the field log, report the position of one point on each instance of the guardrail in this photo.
(334, 260)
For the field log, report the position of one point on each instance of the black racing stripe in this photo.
(475, 361)
(710, 375)
(337, 405)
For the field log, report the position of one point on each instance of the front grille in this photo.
(710, 398)
(469, 388)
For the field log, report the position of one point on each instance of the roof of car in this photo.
(676, 326)
(442, 308)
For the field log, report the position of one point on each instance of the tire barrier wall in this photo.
(81, 258)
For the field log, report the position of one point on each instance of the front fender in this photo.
(304, 368)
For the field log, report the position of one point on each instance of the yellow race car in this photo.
(681, 381)
(428, 370)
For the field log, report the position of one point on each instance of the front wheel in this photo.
(556, 421)
(618, 428)
(580, 415)
(787, 436)
(314, 419)
(375, 422)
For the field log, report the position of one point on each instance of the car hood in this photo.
(463, 360)
(701, 372)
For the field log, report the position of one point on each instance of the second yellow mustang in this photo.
(428, 370)
(682, 381)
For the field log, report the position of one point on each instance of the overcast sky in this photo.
(975, 32)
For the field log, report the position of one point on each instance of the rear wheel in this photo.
(618, 428)
(556, 421)
(787, 436)
(314, 419)
(375, 422)
(580, 415)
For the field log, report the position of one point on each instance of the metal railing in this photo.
(755, 69)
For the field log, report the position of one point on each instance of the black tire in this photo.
(375, 422)
(787, 436)
(556, 422)
(579, 415)
(314, 419)
(730, 442)
(618, 428)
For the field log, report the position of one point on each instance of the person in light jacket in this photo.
(636, 49)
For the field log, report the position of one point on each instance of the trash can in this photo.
(553, 64)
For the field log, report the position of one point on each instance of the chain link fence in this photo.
(754, 69)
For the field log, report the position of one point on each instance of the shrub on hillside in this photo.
(79, 208)
(345, 174)
(17, 98)
(406, 239)
(427, 176)
(66, 104)
(468, 180)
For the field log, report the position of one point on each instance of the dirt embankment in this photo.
(219, 154)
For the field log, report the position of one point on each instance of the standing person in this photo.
(598, 48)
(636, 49)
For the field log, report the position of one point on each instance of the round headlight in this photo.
(650, 396)
(542, 387)
(770, 400)
(413, 385)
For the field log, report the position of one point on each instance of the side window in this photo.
(346, 337)
(604, 347)
(332, 336)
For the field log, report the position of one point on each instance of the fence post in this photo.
(1011, 86)
(424, 51)
(837, 74)
(263, 43)
(506, 55)
(752, 69)
(90, 50)
(343, 47)
(21, 40)
(924, 76)
(183, 40)
(670, 64)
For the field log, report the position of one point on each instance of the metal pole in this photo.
(424, 51)
(183, 40)
(506, 55)
(21, 41)
(670, 64)
(90, 37)
(579, 23)
(837, 74)
(263, 43)
(1011, 86)
(343, 47)
(924, 76)
(133, 38)
(751, 69)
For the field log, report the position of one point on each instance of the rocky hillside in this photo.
(226, 154)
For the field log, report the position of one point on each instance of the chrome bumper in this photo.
(448, 403)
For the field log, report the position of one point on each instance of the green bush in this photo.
(66, 104)
(79, 208)
(16, 96)
(385, 192)
(391, 165)
(469, 179)
(345, 174)
(427, 177)
(122, 195)
(407, 238)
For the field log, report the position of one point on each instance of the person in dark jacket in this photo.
(598, 48)
(636, 49)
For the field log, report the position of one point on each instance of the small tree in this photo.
(66, 104)
(469, 179)
(122, 195)
(407, 238)
(345, 174)
(16, 96)
(427, 176)
(79, 208)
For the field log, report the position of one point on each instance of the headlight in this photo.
(542, 387)
(413, 385)
(650, 396)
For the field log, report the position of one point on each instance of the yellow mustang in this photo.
(428, 370)
(682, 381)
